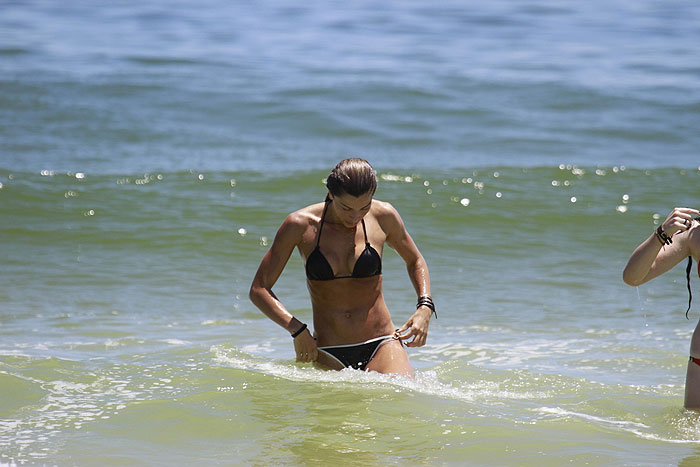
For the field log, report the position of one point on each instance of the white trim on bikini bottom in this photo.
(323, 349)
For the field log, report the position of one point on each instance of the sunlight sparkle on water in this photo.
(395, 178)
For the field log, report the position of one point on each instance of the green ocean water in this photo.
(127, 336)
(150, 150)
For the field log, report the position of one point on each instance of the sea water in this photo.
(149, 152)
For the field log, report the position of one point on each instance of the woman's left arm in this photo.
(399, 239)
(653, 258)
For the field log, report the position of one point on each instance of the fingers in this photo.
(418, 341)
(405, 332)
(305, 348)
(307, 356)
(687, 210)
(419, 338)
(683, 213)
(679, 220)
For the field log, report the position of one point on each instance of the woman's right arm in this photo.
(287, 238)
(270, 269)
(652, 258)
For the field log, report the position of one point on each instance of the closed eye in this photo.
(348, 208)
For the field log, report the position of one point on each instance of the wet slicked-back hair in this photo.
(352, 176)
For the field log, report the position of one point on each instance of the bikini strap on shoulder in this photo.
(323, 217)
(364, 229)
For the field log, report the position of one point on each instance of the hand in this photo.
(680, 220)
(305, 347)
(417, 327)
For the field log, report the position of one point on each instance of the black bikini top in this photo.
(367, 265)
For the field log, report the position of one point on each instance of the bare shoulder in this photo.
(383, 208)
(693, 238)
(302, 218)
(297, 223)
(386, 214)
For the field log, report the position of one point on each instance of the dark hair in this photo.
(352, 176)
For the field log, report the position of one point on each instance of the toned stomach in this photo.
(349, 311)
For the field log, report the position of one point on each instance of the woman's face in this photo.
(349, 209)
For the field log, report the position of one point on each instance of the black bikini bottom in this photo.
(355, 356)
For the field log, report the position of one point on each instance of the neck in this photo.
(332, 218)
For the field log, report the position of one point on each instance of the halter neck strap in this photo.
(323, 217)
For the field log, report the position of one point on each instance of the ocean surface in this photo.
(150, 150)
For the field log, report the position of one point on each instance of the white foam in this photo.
(567, 413)
(425, 382)
(636, 428)
(263, 347)
(175, 342)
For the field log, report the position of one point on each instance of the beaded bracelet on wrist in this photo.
(662, 237)
(426, 300)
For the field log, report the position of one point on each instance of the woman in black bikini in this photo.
(673, 241)
(342, 241)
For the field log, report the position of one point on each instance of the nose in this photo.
(357, 219)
